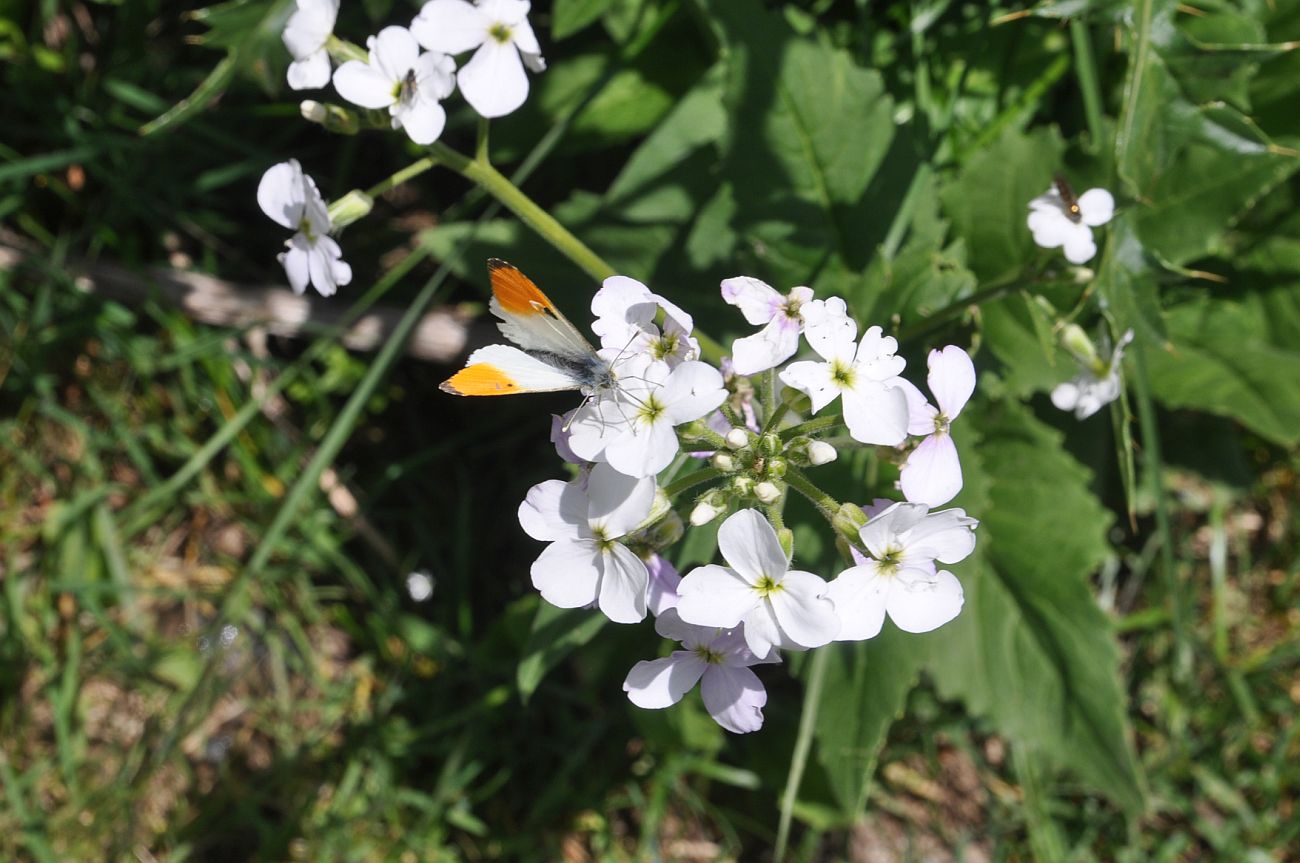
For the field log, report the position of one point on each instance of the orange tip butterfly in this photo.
(552, 354)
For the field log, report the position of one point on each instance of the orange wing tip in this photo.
(480, 379)
(516, 292)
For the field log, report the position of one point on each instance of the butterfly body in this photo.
(551, 353)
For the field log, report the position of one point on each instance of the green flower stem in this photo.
(1086, 68)
(812, 700)
(777, 415)
(690, 481)
(411, 171)
(811, 426)
(499, 187)
(796, 479)
(481, 145)
(991, 291)
(342, 50)
(705, 436)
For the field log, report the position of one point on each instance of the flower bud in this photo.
(742, 486)
(770, 444)
(767, 492)
(335, 118)
(737, 438)
(667, 531)
(848, 520)
(723, 461)
(820, 452)
(776, 467)
(704, 512)
(1076, 341)
(352, 207)
(785, 536)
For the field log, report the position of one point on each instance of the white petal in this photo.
(554, 510)
(748, 542)
(762, 632)
(423, 120)
(363, 85)
(713, 595)
(768, 348)
(450, 26)
(758, 301)
(734, 698)
(1079, 245)
(658, 683)
(280, 194)
(951, 379)
(947, 536)
(309, 27)
(296, 266)
(526, 40)
(806, 617)
(859, 597)
(920, 413)
(593, 427)
(617, 502)
(494, 81)
(643, 449)
(1096, 206)
(1066, 396)
(875, 414)
(568, 573)
(320, 268)
(394, 52)
(1050, 227)
(670, 625)
(435, 75)
(813, 378)
(661, 591)
(829, 329)
(310, 72)
(622, 585)
(876, 356)
(932, 473)
(693, 390)
(920, 601)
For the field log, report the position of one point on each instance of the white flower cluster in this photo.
(610, 529)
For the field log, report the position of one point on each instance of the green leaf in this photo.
(1031, 651)
(1013, 330)
(1127, 283)
(1226, 357)
(989, 199)
(556, 633)
(571, 16)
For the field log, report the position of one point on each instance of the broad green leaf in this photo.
(570, 16)
(1222, 360)
(1013, 330)
(1031, 650)
(556, 633)
(988, 201)
(1127, 283)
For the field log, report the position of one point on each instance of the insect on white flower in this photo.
(403, 80)
(1058, 219)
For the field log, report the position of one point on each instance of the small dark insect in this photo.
(1067, 198)
(408, 87)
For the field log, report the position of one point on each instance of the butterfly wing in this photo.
(500, 370)
(530, 319)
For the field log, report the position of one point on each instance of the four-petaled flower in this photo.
(291, 199)
(781, 317)
(932, 473)
(398, 77)
(900, 578)
(717, 659)
(1056, 221)
(305, 35)
(780, 607)
(1096, 385)
(493, 81)
(625, 311)
(583, 521)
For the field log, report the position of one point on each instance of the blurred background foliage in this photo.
(208, 648)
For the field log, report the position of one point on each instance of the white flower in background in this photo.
(932, 473)
(1096, 385)
(305, 35)
(780, 607)
(584, 562)
(900, 578)
(419, 585)
(717, 659)
(780, 317)
(1058, 219)
(291, 199)
(865, 376)
(398, 77)
(493, 81)
(625, 313)
(633, 427)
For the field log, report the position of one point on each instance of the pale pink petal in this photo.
(951, 379)
(364, 85)
(922, 601)
(1096, 207)
(806, 617)
(734, 698)
(859, 597)
(554, 510)
(568, 573)
(560, 437)
(670, 625)
(768, 348)
(920, 413)
(622, 585)
(758, 301)
(714, 595)
(494, 81)
(661, 592)
(658, 683)
(749, 544)
(280, 194)
(932, 473)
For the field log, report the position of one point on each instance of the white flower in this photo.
(716, 659)
(780, 607)
(305, 35)
(932, 473)
(864, 376)
(1094, 386)
(291, 199)
(398, 77)
(419, 585)
(1057, 222)
(781, 318)
(632, 428)
(900, 579)
(493, 81)
(582, 521)
(625, 313)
